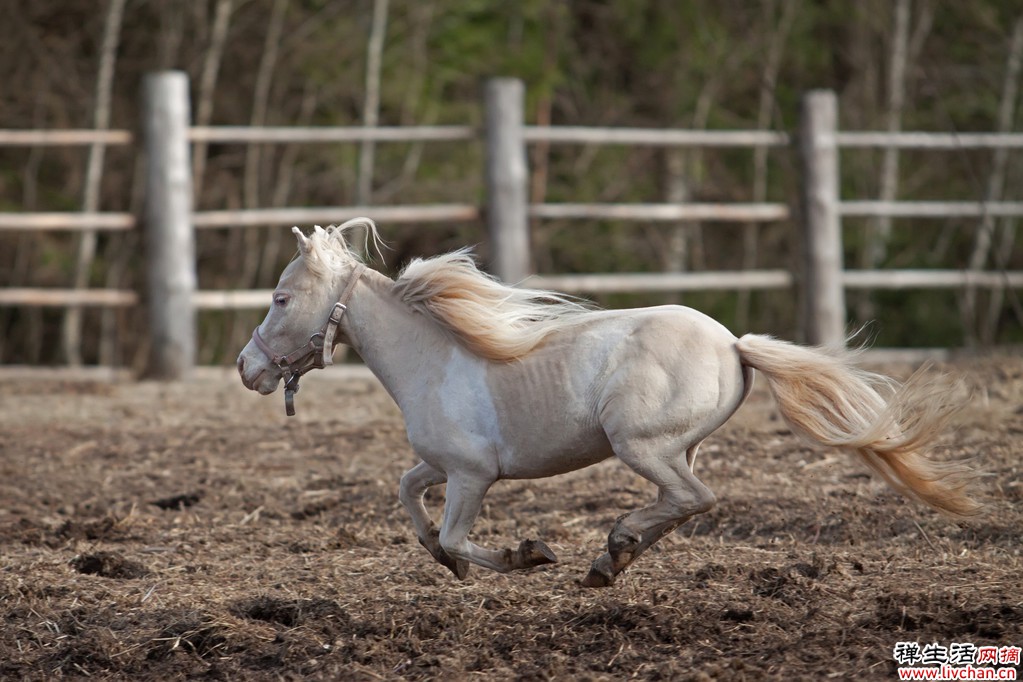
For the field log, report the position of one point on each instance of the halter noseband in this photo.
(316, 353)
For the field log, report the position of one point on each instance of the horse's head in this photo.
(298, 332)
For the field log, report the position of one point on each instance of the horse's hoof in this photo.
(600, 574)
(536, 553)
(461, 569)
(597, 579)
(457, 566)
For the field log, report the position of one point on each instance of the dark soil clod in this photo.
(108, 565)
(178, 502)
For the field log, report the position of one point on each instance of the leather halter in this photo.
(317, 353)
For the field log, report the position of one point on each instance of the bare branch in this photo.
(207, 83)
(995, 190)
(94, 175)
(371, 105)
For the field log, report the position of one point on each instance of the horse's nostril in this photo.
(241, 364)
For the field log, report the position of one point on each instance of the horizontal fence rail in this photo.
(64, 298)
(761, 212)
(295, 135)
(663, 282)
(931, 209)
(930, 279)
(933, 141)
(556, 134)
(233, 299)
(323, 215)
(507, 211)
(64, 138)
(67, 221)
(658, 137)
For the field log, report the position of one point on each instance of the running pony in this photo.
(498, 382)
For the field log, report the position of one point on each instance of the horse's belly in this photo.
(547, 411)
(552, 449)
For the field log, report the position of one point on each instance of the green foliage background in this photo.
(659, 63)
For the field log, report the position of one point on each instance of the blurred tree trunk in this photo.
(216, 39)
(676, 191)
(975, 328)
(248, 253)
(260, 105)
(684, 250)
(417, 107)
(170, 36)
(93, 176)
(371, 103)
(25, 248)
(875, 246)
(207, 86)
(119, 253)
(370, 109)
(768, 88)
(540, 167)
(268, 268)
(998, 296)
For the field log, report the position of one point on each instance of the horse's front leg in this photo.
(464, 499)
(411, 492)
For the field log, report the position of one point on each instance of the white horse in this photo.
(497, 382)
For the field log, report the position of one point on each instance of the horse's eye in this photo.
(280, 300)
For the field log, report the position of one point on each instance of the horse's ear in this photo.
(304, 245)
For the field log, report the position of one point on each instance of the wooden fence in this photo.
(171, 221)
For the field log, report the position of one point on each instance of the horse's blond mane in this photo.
(491, 319)
(330, 250)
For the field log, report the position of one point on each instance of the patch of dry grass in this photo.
(288, 556)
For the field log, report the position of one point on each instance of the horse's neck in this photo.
(400, 346)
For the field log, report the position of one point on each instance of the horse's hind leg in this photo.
(464, 499)
(680, 496)
(413, 487)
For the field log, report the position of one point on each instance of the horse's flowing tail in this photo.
(824, 398)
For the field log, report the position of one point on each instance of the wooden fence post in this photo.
(822, 229)
(507, 200)
(170, 239)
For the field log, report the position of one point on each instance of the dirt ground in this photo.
(152, 531)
